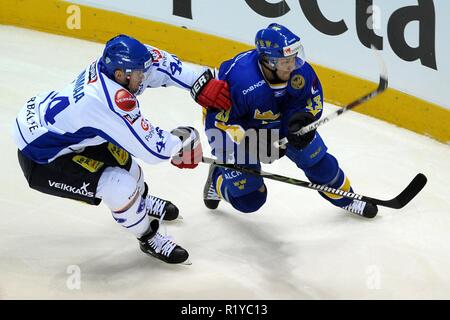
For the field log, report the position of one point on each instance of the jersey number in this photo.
(317, 107)
(55, 106)
(175, 66)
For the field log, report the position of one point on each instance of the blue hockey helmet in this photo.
(125, 53)
(276, 43)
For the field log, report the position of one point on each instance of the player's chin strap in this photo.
(275, 79)
(414, 187)
(382, 86)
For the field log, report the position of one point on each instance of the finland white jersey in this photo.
(91, 110)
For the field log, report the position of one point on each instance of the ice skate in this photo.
(210, 196)
(162, 247)
(157, 207)
(362, 208)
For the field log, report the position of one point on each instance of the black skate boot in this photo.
(162, 247)
(210, 196)
(157, 207)
(362, 208)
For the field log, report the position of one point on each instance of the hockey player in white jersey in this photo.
(80, 143)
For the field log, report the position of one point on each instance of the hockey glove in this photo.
(191, 152)
(211, 93)
(296, 122)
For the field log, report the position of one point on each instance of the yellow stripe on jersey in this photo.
(219, 186)
(204, 112)
(277, 86)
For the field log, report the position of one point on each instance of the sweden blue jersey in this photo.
(259, 104)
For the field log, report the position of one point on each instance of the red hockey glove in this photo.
(191, 152)
(211, 93)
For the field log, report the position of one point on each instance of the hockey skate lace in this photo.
(212, 194)
(162, 244)
(357, 206)
(156, 206)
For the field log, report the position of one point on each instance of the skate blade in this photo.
(187, 262)
(178, 219)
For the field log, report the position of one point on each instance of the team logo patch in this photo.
(131, 118)
(279, 93)
(291, 49)
(297, 82)
(125, 100)
(267, 115)
(118, 153)
(144, 124)
(156, 55)
(92, 73)
(240, 184)
(89, 164)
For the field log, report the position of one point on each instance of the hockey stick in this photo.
(398, 202)
(382, 86)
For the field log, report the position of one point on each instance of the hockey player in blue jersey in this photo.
(273, 89)
(82, 142)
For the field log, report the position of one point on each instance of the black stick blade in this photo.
(414, 187)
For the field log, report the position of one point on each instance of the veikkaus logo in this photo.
(253, 87)
(125, 100)
(65, 187)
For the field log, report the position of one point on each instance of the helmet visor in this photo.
(136, 76)
(291, 62)
(143, 67)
